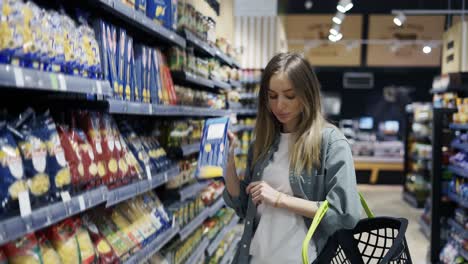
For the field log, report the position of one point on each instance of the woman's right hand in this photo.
(233, 144)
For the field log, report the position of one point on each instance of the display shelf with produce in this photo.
(197, 43)
(22, 78)
(458, 228)
(189, 78)
(153, 247)
(215, 243)
(125, 107)
(459, 200)
(192, 190)
(141, 21)
(458, 171)
(227, 258)
(198, 252)
(16, 227)
(126, 192)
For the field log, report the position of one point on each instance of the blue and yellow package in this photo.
(149, 61)
(111, 33)
(159, 11)
(155, 82)
(214, 147)
(121, 60)
(140, 5)
(127, 78)
(138, 73)
(173, 15)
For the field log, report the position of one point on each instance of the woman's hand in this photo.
(233, 143)
(262, 193)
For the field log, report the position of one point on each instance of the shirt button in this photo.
(258, 173)
(248, 222)
(245, 245)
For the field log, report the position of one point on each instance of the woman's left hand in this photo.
(262, 193)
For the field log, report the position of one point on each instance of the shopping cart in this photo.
(373, 240)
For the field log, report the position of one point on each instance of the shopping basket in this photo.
(373, 240)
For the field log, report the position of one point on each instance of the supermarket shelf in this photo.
(221, 55)
(215, 244)
(22, 78)
(244, 111)
(458, 145)
(227, 258)
(16, 227)
(411, 200)
(236, 63)
(214, 208)
(248, 96)
(221, 84)
(459, 229)
(140, 20)
(459, 126)
(192, 190)
(371, 159)
(235, 84)
(240, 128)
(188, 150)
(458, 171)
(126, 192)
(192, 79)
(425, 228)
(197, 43)
(449, 89)
(153, 247)
(136, 108)
(194, 224)
(454, 197)
(198, 252)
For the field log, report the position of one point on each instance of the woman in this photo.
(296, 161)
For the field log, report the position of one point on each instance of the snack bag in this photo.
(88, 255)
(63, 237)
(127, 227)
(49, 255)
(24, 250)
(59, 172)
(117, 166)
(11, 168)
(104, 251)
(213, 149)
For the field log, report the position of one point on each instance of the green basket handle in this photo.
(316, 221)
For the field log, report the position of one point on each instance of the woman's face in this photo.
(283, 102)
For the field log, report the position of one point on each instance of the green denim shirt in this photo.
(335, 182)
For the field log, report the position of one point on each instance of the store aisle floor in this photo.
(386, 200)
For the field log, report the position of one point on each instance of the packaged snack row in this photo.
(187, 169)
(179, 251)
(213, 225)
(182, 132)
(47, 40)
(136, 72)
(191, 97)
(184, 212)
(163, 12)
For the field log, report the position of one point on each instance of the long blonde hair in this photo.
(304, 152)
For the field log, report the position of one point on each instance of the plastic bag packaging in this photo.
(117, 166)
(49, 255)
(105, 253)
(213, 149)
(11, 168)
(24, 250)
(88, 255)
(63, 237)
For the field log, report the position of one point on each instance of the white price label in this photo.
(62, 82)
(99, 87)
(65, 196)
(19, 77)
(148, 172)
(24, 203)
(150, 109)
(81, 201)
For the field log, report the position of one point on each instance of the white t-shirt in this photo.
(280, 232)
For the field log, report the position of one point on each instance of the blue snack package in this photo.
(13, 179)
(138, 73)
(140, 5)
(162, 11)
(214, 147)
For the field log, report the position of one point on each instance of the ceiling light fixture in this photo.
(335, 30)
(427, 49)
(399, 19)
(308, 4)
(335, 38)
(344, 6)
(338, 18)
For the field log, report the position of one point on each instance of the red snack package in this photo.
(90, 122)
(3, 257)
(87, 252)
(117, 166)
(72, 155)
(24, 250)
(106, 254)
(49, 255)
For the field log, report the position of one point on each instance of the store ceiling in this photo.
(364, 6)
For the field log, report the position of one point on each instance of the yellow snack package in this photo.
(24, 250)
(49, 255)
(88, 255)
(63, 237)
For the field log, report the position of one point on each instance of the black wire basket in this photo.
(373, 240)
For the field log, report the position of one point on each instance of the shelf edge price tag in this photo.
(24, 203)
(65, 197)
(150, 109)
(19, 77)
(81, 201)
(62, 82)
(148, 172)
(99, 87)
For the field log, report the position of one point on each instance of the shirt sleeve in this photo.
(341, 191)
(239, 203)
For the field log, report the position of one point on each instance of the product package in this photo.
(140, 5)
(129, 90)
(104, 251)
(24, 250)
(63, 237)
(155, 78)
(11, 168)
(159, 11)
(122, 45)
(49, 255)
(87, 252)
(214, 147)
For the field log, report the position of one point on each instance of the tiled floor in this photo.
(387, 201)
